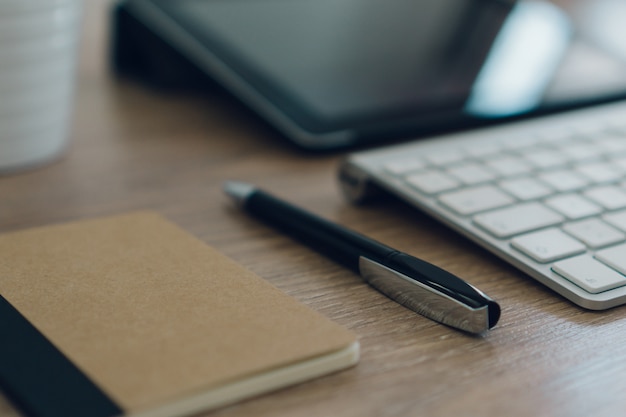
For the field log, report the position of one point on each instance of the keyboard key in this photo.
(557, 135)
(563, 180)
(432, 182)
(614, 257)
(600, 172)
(525, 188)
(474, 200)
(518, 219)
(580, 151)
(620, 162)
(610, 196)
(589, 274)
(617, 126)
(441, 158)
(520, 142)
(404, 166)
(613, 144)
(508, 166)
(548, 245)
(573, 206)
(482, 150)
(471, 174)
(594, 233)
(544, 158)
(616, 219)
(592, 130)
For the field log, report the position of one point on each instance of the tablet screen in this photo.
(372, 64)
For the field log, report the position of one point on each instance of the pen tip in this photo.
(239, 191)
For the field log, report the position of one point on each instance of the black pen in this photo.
(412, 282)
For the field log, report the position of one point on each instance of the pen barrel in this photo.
(337, 242)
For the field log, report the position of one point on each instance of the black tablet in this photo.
(336, 73)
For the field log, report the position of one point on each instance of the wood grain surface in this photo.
(135, 148)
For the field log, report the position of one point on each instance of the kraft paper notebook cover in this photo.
(132, 316)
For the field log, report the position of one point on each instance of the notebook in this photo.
(130, 315)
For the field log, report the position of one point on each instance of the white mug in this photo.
(38, 56)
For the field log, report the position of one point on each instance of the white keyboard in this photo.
(548, 195)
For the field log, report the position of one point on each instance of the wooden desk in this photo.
(138, 149)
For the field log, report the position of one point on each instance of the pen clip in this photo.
(427, 300)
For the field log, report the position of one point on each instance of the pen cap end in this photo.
(493, 311)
